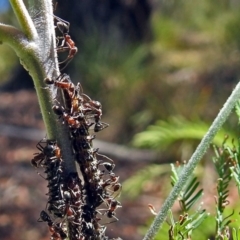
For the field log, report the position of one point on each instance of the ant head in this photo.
(44, 217)
(49, 149)
(57, 110)
(63, 27)
(97, 104)
(109, 166)
(99, 126)
(67, 195)
(48, 81)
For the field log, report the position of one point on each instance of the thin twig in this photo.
(194, 160)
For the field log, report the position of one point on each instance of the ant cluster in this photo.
(77, 203)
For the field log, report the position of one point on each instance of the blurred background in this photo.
(161, 69)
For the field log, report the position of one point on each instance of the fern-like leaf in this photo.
(165, 133)
(188, 195)
(183, 228)
(133, 185)
(223, 160)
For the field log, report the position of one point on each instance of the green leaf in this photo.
(165, 133)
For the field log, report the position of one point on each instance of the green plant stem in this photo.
(24, 19)
(36, 48)
(196, 157)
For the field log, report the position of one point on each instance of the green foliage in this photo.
(237, 110)
(133, 186)
(183, 228)
(236, 233)
(165, 30)
(222, 162)
(234, 156)
(200, 232)
(8, 58)
(123, 76)
(187, 222)
(111, 68)
(231, 34)
(197, 224)
(165, 133)
(188, 196)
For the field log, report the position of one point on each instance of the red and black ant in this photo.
(67, 43)
(56, 231)
(71, 92)
(109, 166)
(115, 190)
(99, 126)
(112, 185)
(112, 205)
(74, 185)
(72, 207)
(93, 107)
(71, 121)
(63, 81)
(51, 151)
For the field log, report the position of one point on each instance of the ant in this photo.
(112, 205)
(67, 43)
(94, 107)
(114, 178)
(109, 166)
(72, 215)
(55, 230)
(82, 131)
(75, 185)
(115, 190)
(71, 121)
(51, 150)
(112, 185)
(99, 126)
(71, 92)
(56, 207)
(63, 81)
(80, 144)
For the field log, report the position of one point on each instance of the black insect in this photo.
(56, 231)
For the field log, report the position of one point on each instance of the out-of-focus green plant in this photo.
(165, 133)
(133, 186)
(197, 224)
(187, 222)
(190, 194)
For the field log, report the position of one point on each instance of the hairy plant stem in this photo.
(24, 19)
(35, 45)
(194, 160)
